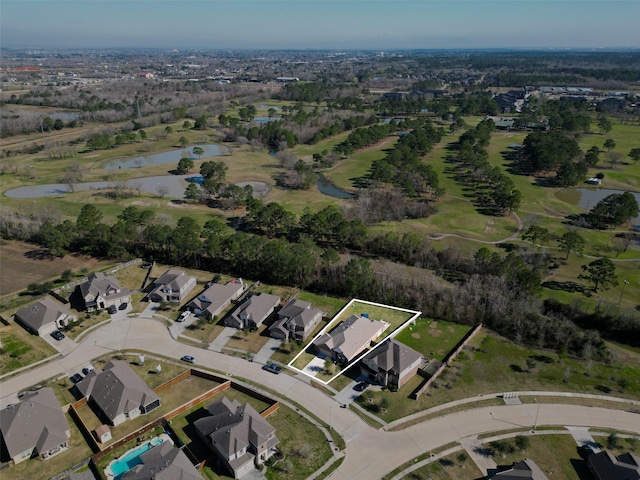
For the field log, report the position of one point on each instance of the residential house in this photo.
(523, 470)
(391, 363)
(101, 291)
(118, 392)
(349, 339)
(147, 75)
(214, 299)
(172, 286)
(163, 462)
(36, 426)
(237, 434)
(44, 316)
(605, 466)
(296, 320)
(253, 311)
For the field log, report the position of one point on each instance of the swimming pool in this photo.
(132, 458)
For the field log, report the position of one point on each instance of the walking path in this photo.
(370, 452)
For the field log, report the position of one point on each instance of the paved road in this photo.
(370, 453)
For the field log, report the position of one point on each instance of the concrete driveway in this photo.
(370, 453)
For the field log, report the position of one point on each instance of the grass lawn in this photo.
(395, 318)
(556, 455)
(35, 469)
(448, 468)
(85, 321)
(329, 305)
(172, 398)
(433, 338)
(474, 373)
(624, 445)
(20, 348)
(23, 263)
(252, 341)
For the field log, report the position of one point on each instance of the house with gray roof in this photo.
(36, 426)
(118, 392)
(349, 339)
(215, 298)
(172, 286)
(100, 291)
(44, 316)
(525, 469)
(391, 363)
(163, 462)
(296, 320)
(238, 434)
(253, 311)
(605, 466)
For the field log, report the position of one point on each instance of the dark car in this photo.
(57, 334)
(123, 306)
(188, 358)
(272, 367)
(361, 387)
(75, 378)
(112, 309)
(146, 265)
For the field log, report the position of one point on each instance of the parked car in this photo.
(112, 309)
(188, 358)
(361, 387)
(57, 334)
(75, 378)
(183, 316)
(87, 369)
(146, 265)
(272, 367)
(123, 306)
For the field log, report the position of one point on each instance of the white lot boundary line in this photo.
(412, 319)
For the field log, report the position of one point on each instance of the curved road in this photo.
(370, 453)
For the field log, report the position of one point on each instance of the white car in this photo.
(183, 316)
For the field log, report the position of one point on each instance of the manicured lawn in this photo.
(253, 341)
(85, 321)
(448, 468)
(20, 348)
(433, 338)
(35, 469)
(395, 318)
(330, 305)
(624, 445)
(556, 455)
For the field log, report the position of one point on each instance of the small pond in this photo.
(262, 120)
(328, 188)
(173, 156)
(589, 197)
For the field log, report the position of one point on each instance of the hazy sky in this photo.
(335, 24)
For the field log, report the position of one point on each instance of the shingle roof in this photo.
(41, 313)
(257, 307)
(174, 279)
(117, 389)
(99, 284)
(37, 421)
(216, 296)
(351, 336)
(393, 356)
(232, 426)
(299, 313)
(524, 469)
(163, 462)
(607, 466)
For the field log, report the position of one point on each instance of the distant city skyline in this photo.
(319, 24)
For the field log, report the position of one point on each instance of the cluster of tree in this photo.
(494, 189)
(554, 150)
(403, 166)
(613, 210)
(341, 125)
(497, 292)
(363, 137)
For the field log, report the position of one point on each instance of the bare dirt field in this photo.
(22, 264)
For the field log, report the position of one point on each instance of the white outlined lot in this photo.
(313, 366)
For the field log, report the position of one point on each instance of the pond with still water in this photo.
(589, 198)
(173, 156)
